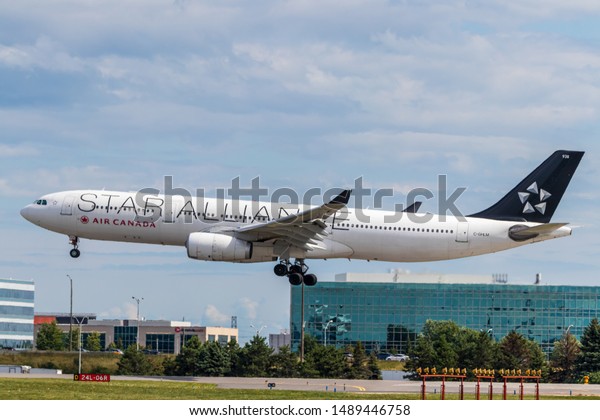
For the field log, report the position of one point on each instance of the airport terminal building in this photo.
(16, 313)
(386, 311)
(162, 336)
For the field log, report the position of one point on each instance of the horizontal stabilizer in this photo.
(521, 233)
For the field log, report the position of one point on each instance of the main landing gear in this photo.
(74, 240)
(296, 272)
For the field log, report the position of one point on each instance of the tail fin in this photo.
(536, 197)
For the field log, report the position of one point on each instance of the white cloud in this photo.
(127, 310)
(45, 54)
(117, 94)
(215, 317)
(18, 150)
(250, 307)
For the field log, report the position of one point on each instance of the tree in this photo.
(373, 367)
(517, 352)
(564, 358)
(438, 345)
(359, 368)
(50, 337)
(256, 357)
(72, 337)
(234, 353)
(92, 342)
(284, 364)
(134, 362)
(589, 358)
(187, 362)
(214, 359)
(478, 350)
(324, 362)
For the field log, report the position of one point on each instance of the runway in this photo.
(391, 387)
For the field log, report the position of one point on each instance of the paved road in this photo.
(332, 385)
(394, 386)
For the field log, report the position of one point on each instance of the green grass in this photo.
(63, 389)
(390, 365)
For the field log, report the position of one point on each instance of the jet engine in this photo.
(217, 247)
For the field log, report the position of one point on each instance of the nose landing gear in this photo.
(74, 253)
(296, 272)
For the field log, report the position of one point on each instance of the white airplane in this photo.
(251, 231)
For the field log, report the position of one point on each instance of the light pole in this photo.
(137, 339)
(71, 317)
(81, 340)
(302, 325)
(258, 331)
(325, 333)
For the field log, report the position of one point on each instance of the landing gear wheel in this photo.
(310, 279)
(296, 269)
(295, 279)
(280, 270)
(74, 240)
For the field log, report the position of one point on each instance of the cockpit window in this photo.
(40, 202)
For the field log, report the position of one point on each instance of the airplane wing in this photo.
(303, 230)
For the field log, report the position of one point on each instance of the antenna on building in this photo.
(538, 278)
(501, 278)
(234, 321)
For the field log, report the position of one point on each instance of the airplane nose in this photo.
(26, 213)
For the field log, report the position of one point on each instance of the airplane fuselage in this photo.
(351, 233)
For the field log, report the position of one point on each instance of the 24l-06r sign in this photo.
(91, 377)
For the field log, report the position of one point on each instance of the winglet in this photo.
(342, 198)
(413, 208)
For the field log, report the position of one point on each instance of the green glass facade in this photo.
(102, 336)
(125, 336)
(387, 316)
(163, 343)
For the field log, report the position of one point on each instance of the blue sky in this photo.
(304, 94)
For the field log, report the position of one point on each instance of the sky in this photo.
(303, 94)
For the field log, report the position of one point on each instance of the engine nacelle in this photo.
(217, 247)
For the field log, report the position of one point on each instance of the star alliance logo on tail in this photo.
(533, 189)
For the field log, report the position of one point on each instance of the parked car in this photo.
(397, 357)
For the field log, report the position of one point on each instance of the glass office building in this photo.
(16, 313)
(387, 316)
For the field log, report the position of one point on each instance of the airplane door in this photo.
(67, 206)
(462, 232)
